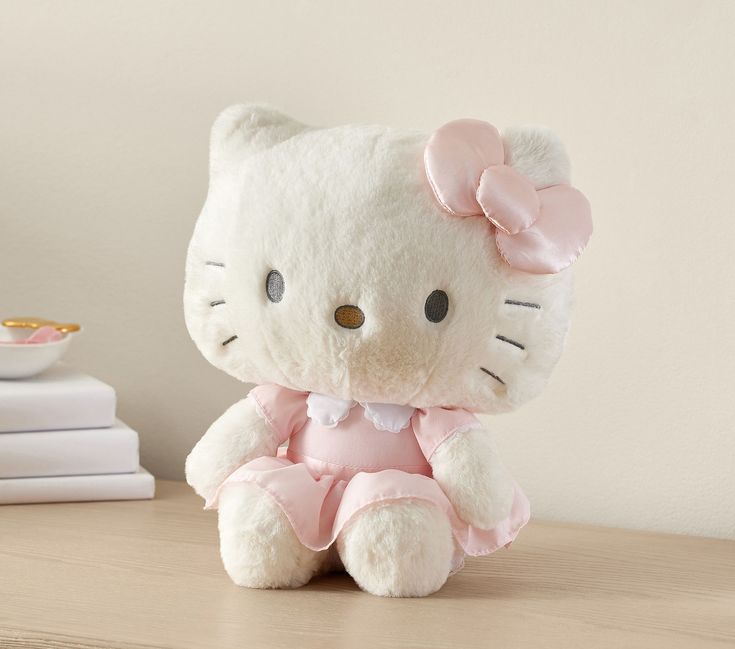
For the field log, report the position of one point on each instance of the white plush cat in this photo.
(379, 286)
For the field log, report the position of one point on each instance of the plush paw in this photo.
(401, 549)
(239, 435)
(200, 474)
(258, 546)
(473, 477)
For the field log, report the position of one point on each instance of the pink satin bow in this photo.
(537, 231)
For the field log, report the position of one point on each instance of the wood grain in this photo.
(134, 575)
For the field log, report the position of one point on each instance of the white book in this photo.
(60, 398)
(69, 452)
(119, 486)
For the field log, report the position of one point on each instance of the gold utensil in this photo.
(37, 323)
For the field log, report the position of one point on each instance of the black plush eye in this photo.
(274, 286)
(436, 306)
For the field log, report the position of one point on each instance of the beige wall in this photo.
(104, 114)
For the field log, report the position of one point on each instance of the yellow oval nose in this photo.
(349, 316)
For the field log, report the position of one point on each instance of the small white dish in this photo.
(24, 361)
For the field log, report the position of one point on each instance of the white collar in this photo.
(330, 411)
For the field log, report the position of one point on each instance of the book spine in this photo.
(69, 452)
(124, 486)
(91, 407)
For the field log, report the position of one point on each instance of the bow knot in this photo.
(537, 231)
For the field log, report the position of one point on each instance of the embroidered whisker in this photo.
(216, 303)
(229, 340)
(219, 264)
(530, 305)
(510, 341)
(495, 376)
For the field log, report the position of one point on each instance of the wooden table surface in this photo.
(134, 575)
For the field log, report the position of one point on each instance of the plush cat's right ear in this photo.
(237, 134)
(245, 129)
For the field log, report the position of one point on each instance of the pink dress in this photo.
(343, 457)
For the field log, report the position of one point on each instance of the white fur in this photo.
(238, 436)
(537, 152)
(470, 472)
(399, 549)
(347, 217)
(258, 546)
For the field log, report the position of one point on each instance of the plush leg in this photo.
(258, 546)
(398, 549)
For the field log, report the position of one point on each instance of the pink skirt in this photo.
(320, 506)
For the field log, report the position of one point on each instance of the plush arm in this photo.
(469, 470)
(241, 434)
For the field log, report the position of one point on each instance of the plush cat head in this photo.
(352, 261)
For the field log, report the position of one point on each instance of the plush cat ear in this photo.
(245, 129)
(238, 133)
(538, 153)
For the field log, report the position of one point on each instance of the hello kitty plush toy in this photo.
(379, 286)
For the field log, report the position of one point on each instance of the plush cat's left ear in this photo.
(520, 183)
(537, 153)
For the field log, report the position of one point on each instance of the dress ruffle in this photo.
(331, 472)
(320, 506)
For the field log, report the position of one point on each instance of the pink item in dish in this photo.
(38, 337)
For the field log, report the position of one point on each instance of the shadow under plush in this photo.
(379, 286)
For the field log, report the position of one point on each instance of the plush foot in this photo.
(258, 546)
(399, 549)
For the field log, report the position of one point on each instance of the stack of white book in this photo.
(60, 441)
